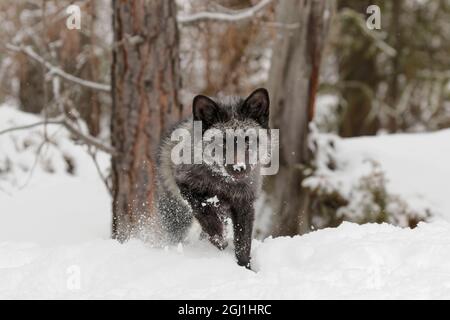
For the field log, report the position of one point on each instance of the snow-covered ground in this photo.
(54, 229)
(49, 205)
(370, 261)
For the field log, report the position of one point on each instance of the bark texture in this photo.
(293, 82)
(145, 83)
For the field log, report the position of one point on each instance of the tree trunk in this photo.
(358, 76)
(90, 105)
(293, 82)
(31, 90)
(145, 82)
(397, 44)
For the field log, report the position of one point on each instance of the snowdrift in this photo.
(352, 261)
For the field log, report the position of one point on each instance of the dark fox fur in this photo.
(184, 189)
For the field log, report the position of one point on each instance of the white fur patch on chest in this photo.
(214, 201)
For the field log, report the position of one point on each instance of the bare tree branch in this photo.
(91, 141)
(88, 139)
(290, 26)
(30, 126)
(106, 180)
(55, 70)
(224, 17)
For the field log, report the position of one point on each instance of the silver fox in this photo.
(212, 193)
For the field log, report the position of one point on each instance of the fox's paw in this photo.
(245, 264)
(219, 242)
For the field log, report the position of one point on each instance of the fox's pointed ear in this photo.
(205, 110)
(256, 107)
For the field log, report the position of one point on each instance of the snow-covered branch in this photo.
(225, 17)
(57, 71)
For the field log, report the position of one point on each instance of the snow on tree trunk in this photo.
(293, 82)
(145, 82)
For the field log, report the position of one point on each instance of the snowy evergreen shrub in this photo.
(355, 191)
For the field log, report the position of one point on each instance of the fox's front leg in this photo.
(243, 216)
(207, 215)
(213, 226)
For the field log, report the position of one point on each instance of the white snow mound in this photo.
(352, 261)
